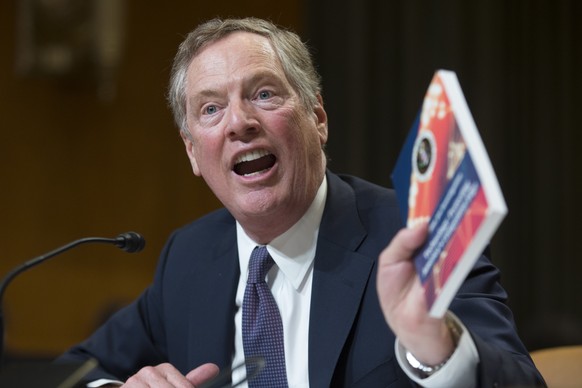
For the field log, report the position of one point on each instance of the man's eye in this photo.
(210, 110)
(264, 94)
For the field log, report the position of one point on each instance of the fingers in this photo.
(166, 376)
(404, 244)
(160, 376)
(202, 374)
(398, 288)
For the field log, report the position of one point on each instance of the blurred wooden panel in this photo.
(74, 165)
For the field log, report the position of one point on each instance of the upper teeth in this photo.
(252, 155)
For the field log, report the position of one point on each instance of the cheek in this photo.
(296, 129)
(308, 136)
(207, 153)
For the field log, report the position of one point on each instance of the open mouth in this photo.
(254, 162)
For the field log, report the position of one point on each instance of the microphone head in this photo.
(130, 242)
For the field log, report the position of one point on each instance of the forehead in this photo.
(231, 57)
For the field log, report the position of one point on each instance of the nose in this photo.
(242, 121)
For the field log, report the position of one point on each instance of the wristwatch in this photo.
(423, 371)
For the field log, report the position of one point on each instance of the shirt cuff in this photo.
(460, 370)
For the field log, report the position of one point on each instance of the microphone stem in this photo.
(33, 262)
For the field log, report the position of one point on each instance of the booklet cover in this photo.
(444, 177)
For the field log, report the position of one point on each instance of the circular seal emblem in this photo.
(424, 155)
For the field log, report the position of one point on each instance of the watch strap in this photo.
(424, 371)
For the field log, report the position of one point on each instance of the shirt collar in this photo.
(294, 250)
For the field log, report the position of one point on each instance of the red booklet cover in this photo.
(443, 176)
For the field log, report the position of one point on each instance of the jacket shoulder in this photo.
(373, 200)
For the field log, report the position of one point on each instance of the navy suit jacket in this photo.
(186, 317)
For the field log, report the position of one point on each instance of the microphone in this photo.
(130, 242)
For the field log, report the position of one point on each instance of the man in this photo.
(247, 99)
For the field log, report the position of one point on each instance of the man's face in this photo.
(252, 140)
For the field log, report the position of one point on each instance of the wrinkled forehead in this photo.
(233, 55)
(236, 46)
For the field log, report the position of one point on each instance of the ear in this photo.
(321, 117)
(189, 143)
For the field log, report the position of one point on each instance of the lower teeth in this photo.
(256, 172)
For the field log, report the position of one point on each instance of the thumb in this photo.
(202, 374)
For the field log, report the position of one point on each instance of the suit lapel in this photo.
(213, 302)
(339, 280)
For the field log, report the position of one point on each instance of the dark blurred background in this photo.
(88, 146)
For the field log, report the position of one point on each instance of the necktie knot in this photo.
(260, 263)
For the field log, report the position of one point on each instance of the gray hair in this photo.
(292, 52)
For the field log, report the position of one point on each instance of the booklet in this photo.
(443, 177)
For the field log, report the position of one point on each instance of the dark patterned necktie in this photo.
(262, 327)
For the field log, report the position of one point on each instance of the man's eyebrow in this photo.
(207, 93)
(252, 79)
(202, 95)
(262, 75)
